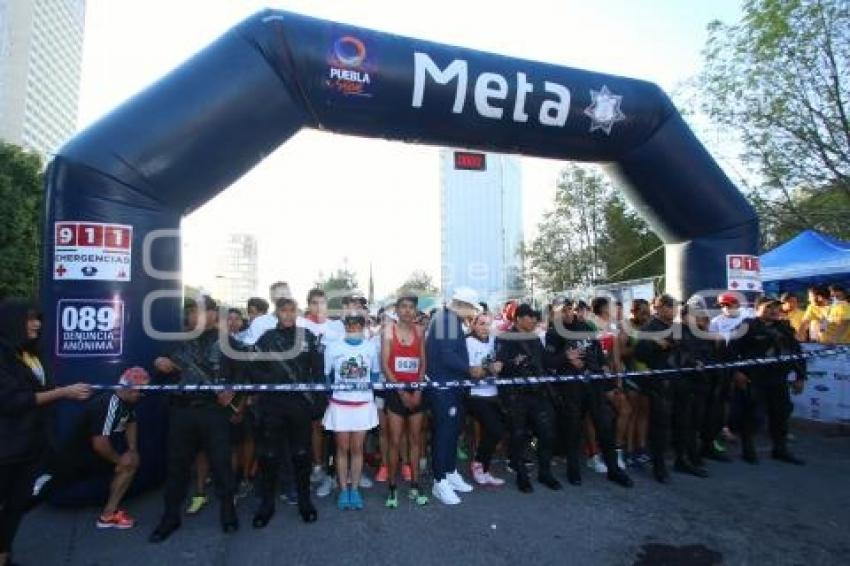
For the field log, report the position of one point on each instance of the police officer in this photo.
(572, 349)
(198, 420)
(285, 354)
(669, 396)
(529, 407)
(766, 336)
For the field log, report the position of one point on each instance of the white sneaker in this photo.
(40, 483)
(478, 473)
(325, 487)
(493, 480)
(456, 482)
(597, 465)
(317, 475)
(444, 492)
(621, 462)
(365, 482)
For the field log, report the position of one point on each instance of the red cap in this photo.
(134, 376)
(728, 299)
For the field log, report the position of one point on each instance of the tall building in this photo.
(481, 227)
(236, 270)
(41, 51)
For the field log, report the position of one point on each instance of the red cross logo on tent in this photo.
(734, 285)
(61, 271)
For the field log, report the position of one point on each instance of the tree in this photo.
(419, 283)
(21, 198)
(567, 249)
(337, 286)
(779, 79)
(630, 250)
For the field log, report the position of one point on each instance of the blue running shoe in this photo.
(344, 501)
(355, 501)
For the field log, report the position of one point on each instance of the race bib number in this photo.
(406, 365)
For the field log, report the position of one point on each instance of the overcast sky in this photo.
(316, 182)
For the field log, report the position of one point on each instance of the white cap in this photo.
(466, 295)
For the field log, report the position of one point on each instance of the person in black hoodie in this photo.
(529, 407)
(572, 348)
(285, 353)
(198, 420)
(25, 391)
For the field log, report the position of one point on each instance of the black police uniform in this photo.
(285, 419)
(709, 392)
(668, 400)
(768, 383)
(529, 407)
(197, 422)
(576, 399)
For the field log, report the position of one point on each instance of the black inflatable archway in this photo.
(178, 143)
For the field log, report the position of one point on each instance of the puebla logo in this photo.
(348, 72)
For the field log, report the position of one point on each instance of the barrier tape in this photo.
(507, 381)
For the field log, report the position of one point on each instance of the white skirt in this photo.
(348, 418)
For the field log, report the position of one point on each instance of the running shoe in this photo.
(355, 500)
(457, 483)
(325, 487)
(597, 465)
(117, 520)
(478, 473)
(406, 473)
(344, 500)
(317, 475)
(643, 458)
(196, 504)
(244, 490)
(461, 454)
(621, 462)
(392, 500)
(382, 475)
(444, 492)
(365, 482)
(418, 497)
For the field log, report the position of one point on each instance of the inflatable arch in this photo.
(117, 191)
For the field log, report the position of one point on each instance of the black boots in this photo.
(523, 483)
(685, 466)
(547, 479)
(264, 513)
(619, 477)
(229, 519)
(302, 481)
(164, 529)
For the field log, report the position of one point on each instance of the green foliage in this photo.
(779, 80)
(588, 233)
(21, 198)
(630, 249)
(337, 286)
(419, 283)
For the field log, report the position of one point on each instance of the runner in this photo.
(351, 414)
(403, 359)
(483, 401)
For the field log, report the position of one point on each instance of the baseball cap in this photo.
(729, 299)
(466, 295)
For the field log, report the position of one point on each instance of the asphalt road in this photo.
(770, 514)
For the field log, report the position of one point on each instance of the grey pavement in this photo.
(767, 514)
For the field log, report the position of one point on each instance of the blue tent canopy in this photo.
(808, 258)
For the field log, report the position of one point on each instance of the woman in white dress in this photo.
(351, 413)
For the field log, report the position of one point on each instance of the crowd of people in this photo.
(292, 445)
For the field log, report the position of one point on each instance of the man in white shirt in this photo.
(731, 316)
(266, 322)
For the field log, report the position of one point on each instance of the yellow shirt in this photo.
(813, 320)
(838, 316)
(795, 318)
